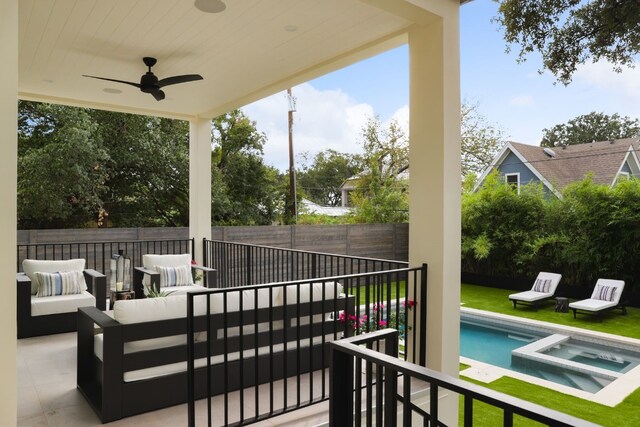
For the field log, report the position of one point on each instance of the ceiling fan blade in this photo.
(179, 79)
(158, 95)
(114, 80)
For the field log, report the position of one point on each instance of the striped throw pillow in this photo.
(174, 276)
(605, 293)
(61, 283)
(542, 285)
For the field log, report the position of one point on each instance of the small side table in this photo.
(562, 305)
(122, 295)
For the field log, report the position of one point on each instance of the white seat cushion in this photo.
(592, 304)
(181, 290)
(530, 296)
(31, 266)
(42, 306)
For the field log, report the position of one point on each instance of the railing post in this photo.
(340, 388)
(248, 265)
(205, 257)
(423, 315)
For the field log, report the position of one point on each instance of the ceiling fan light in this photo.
(210, 6)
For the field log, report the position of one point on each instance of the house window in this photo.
(513, 179)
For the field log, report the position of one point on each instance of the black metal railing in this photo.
(286, 361)
(395, 394)
(240, 264)
(98, 254)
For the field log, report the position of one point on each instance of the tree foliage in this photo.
(320, 180)
(382, 188)
(480, 139)
(592, 231)
(568, 33)
(590, 127)
(244, 190)
(79, 166)
(62, 168)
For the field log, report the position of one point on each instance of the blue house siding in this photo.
(512, 164)
(626, 168)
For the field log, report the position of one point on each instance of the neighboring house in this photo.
(606, 161)
(352, 183)
(307, 206)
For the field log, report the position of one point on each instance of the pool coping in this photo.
(611, 395)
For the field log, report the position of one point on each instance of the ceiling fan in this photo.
(149, 83)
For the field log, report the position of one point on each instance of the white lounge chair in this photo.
(543, 289)
(606, 296)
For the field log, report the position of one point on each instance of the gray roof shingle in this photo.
(572, 163)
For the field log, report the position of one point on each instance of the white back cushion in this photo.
(150, 261)
(554, 277)
(32, 266)
(326, 290)
(149, 310)
(617, 284)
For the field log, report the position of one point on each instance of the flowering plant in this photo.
(197, 276)
(399, 319)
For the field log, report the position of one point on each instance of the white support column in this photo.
(434, 208)
(199, 183)
(8, 166)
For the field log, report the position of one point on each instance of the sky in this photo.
(331, 110)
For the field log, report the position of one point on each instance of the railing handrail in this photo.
(100, 242)
(352, 346)
(315, 280)
(310, 252)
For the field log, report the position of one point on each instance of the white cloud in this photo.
(622, 89)
(324, 119)
(522, 101)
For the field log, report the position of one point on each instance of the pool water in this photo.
(493, 344)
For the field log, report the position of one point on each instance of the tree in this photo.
(570, 32)
(61, 167)
(382, 194)
(590, 127)
(148, 169)
(321, 180)
(244, 189)
(480, 140)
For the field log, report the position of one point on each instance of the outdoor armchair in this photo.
(606, 296)
(543, 289)
(49, 294)
(171, 274)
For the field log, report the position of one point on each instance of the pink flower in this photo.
(194, 262)
(383, 323)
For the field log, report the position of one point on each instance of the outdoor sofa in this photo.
(543, 288)
(136, 360)
(41, 311)
(606, 296)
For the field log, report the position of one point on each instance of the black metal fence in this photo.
(98, 254)
(240, 264)
(272, 351)
(391, 397)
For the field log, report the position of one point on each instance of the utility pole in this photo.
(292, 172)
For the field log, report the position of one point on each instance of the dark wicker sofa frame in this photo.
(102, 381)
(33, 326)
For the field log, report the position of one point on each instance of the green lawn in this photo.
(626, 413)
(497, 300)
(379, 292)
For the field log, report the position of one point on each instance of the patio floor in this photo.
(47, 394)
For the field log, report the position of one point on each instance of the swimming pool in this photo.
(568, 359)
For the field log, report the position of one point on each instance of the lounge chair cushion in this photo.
(318, 291)
(592, 305)
(61, 283)
(544, 287)
(31, 266)
(42, 306)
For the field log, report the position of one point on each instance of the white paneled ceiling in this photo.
(246, 52)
